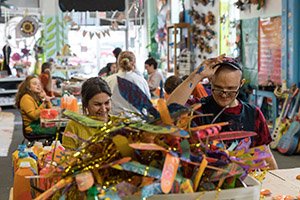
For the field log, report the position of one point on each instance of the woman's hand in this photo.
(48, 98)
(44, 96)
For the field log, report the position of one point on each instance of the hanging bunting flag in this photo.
(91, 35)
(73, 23)
(84, 33)
(107, 32)
(98, 35)
(68, 18)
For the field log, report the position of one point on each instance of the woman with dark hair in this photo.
(109, 69)
(117, 52)
(96, 103)
(170, 85)
(155, 78)
(126, 64)
(46, 78)
(31, 99)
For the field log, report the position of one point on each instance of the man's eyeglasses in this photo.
(221, 91)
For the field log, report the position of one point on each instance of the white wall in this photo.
(24, 3)
(271, 9)
(49, 7)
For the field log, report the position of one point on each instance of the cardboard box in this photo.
(252, 192)
(48, 117)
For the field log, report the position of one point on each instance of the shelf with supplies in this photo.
(179, 48)
(66, 71)
(8, 89)
(66, 67)
(3, 91)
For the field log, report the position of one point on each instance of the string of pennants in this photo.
(90, 34)
(99, 34)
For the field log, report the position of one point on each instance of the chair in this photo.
(34, 137)
(31, 138)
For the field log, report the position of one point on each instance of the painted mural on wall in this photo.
(269, 64)
(204, 29)
(230, 31)
(250, 50)
(245, 4)
(55, 35)
(160, 35)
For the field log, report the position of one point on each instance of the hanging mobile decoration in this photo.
(210, 19)
(246, 4)
(203, 28)
(205, 2)
(223, 19)
(259, 3)
(28, 26)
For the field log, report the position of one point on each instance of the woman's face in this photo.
(35, 85)
(150, 68)
(113, 68)
(99, 106)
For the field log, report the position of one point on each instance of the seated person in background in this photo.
(171, 83)
(126, 64)
(117, 52)
(96, 103)
(46, 78)
(30, 100)
(113, 69)
(155, 78)
(109, 69)
(245, 92)
(226, 80)
(199, 91)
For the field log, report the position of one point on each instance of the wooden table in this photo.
(282, 182)
(62, 122)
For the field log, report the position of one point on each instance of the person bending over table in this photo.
(127, 66)
(225, 75)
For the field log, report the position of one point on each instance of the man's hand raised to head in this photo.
(206, 67)
(181, 94)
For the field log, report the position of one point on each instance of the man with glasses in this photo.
(225, 75)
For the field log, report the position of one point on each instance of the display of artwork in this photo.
(269, 65)
(230, 31)
(246, 4)
(250, 50)
(28, 26)
(204, 29)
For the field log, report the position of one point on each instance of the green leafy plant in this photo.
(153, 46)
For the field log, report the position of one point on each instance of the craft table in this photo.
(282, 182)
